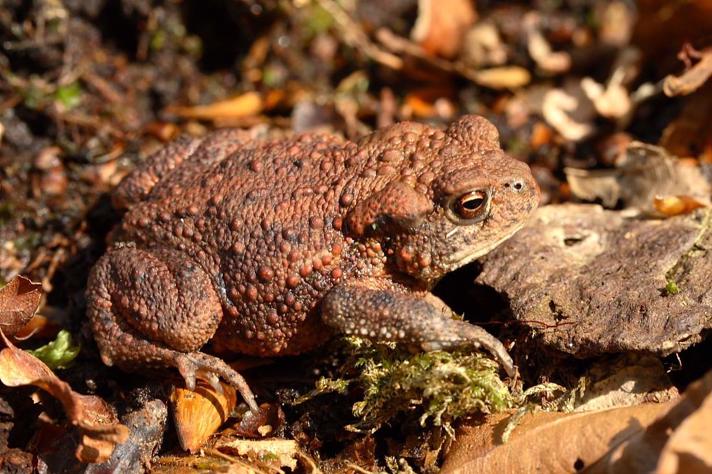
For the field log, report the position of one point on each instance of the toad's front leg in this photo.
(156, 308)
(382, 310)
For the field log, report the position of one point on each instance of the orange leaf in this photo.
(441, 25)
(245, 105)
(199, 413)
(675, 205)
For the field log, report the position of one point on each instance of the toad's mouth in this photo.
(463, 257)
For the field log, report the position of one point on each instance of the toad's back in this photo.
(264, 219)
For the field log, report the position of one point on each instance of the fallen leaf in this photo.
(544, 442)
(101, 431)
(643, 172)
(482, 46)
(502, 77)
(569, 111)
(694, 77)
(199, 413)
(275, 452)
(441, 25)
(269, 420)
(245, 105)
(625, 380)
(678, 441)
(675, 205)
(552, 62)
(611, 100)
(672, 435)
(689, 449)
(19, 300)
(688, 134)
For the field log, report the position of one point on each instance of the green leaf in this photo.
(59, 353)
(69, 95)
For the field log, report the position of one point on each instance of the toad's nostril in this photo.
(516, 185)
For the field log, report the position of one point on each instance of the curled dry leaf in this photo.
(611, 101)
(199, 413)
(643, 172)
(269, 420)
(441, 25)
(569, 111)
(688, 134)
(101, 431)
(553, 62)
(694, 77)
(19, 300)
(482, 46)
(245, 105)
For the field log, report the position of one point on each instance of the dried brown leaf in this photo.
(677, 440)
(19, 300)
(692, 79)
(689, 133)
(548, 60)
(199, 413)
(545, 442)
(689, 449)
(502, 77)
(645, 171)
(92, 415)
(672, 435)
(569, 111)
(482, 46)
(441, 25)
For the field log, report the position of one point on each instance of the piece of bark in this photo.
(589, 281)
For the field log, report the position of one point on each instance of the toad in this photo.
(270, 247)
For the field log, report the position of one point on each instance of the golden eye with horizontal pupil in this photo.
(471, 205)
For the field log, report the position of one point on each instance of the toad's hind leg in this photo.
(156, 308)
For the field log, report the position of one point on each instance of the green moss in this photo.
(59, 353)
(69, 95)
(318, 20)
(671, 288)
(433, 386)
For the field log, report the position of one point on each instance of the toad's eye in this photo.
(471, 207)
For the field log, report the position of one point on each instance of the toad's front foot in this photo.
(385, 311)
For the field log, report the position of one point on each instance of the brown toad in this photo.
(270, 247)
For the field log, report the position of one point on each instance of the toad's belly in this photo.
(266, 333)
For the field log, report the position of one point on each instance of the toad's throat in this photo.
(463, 257)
